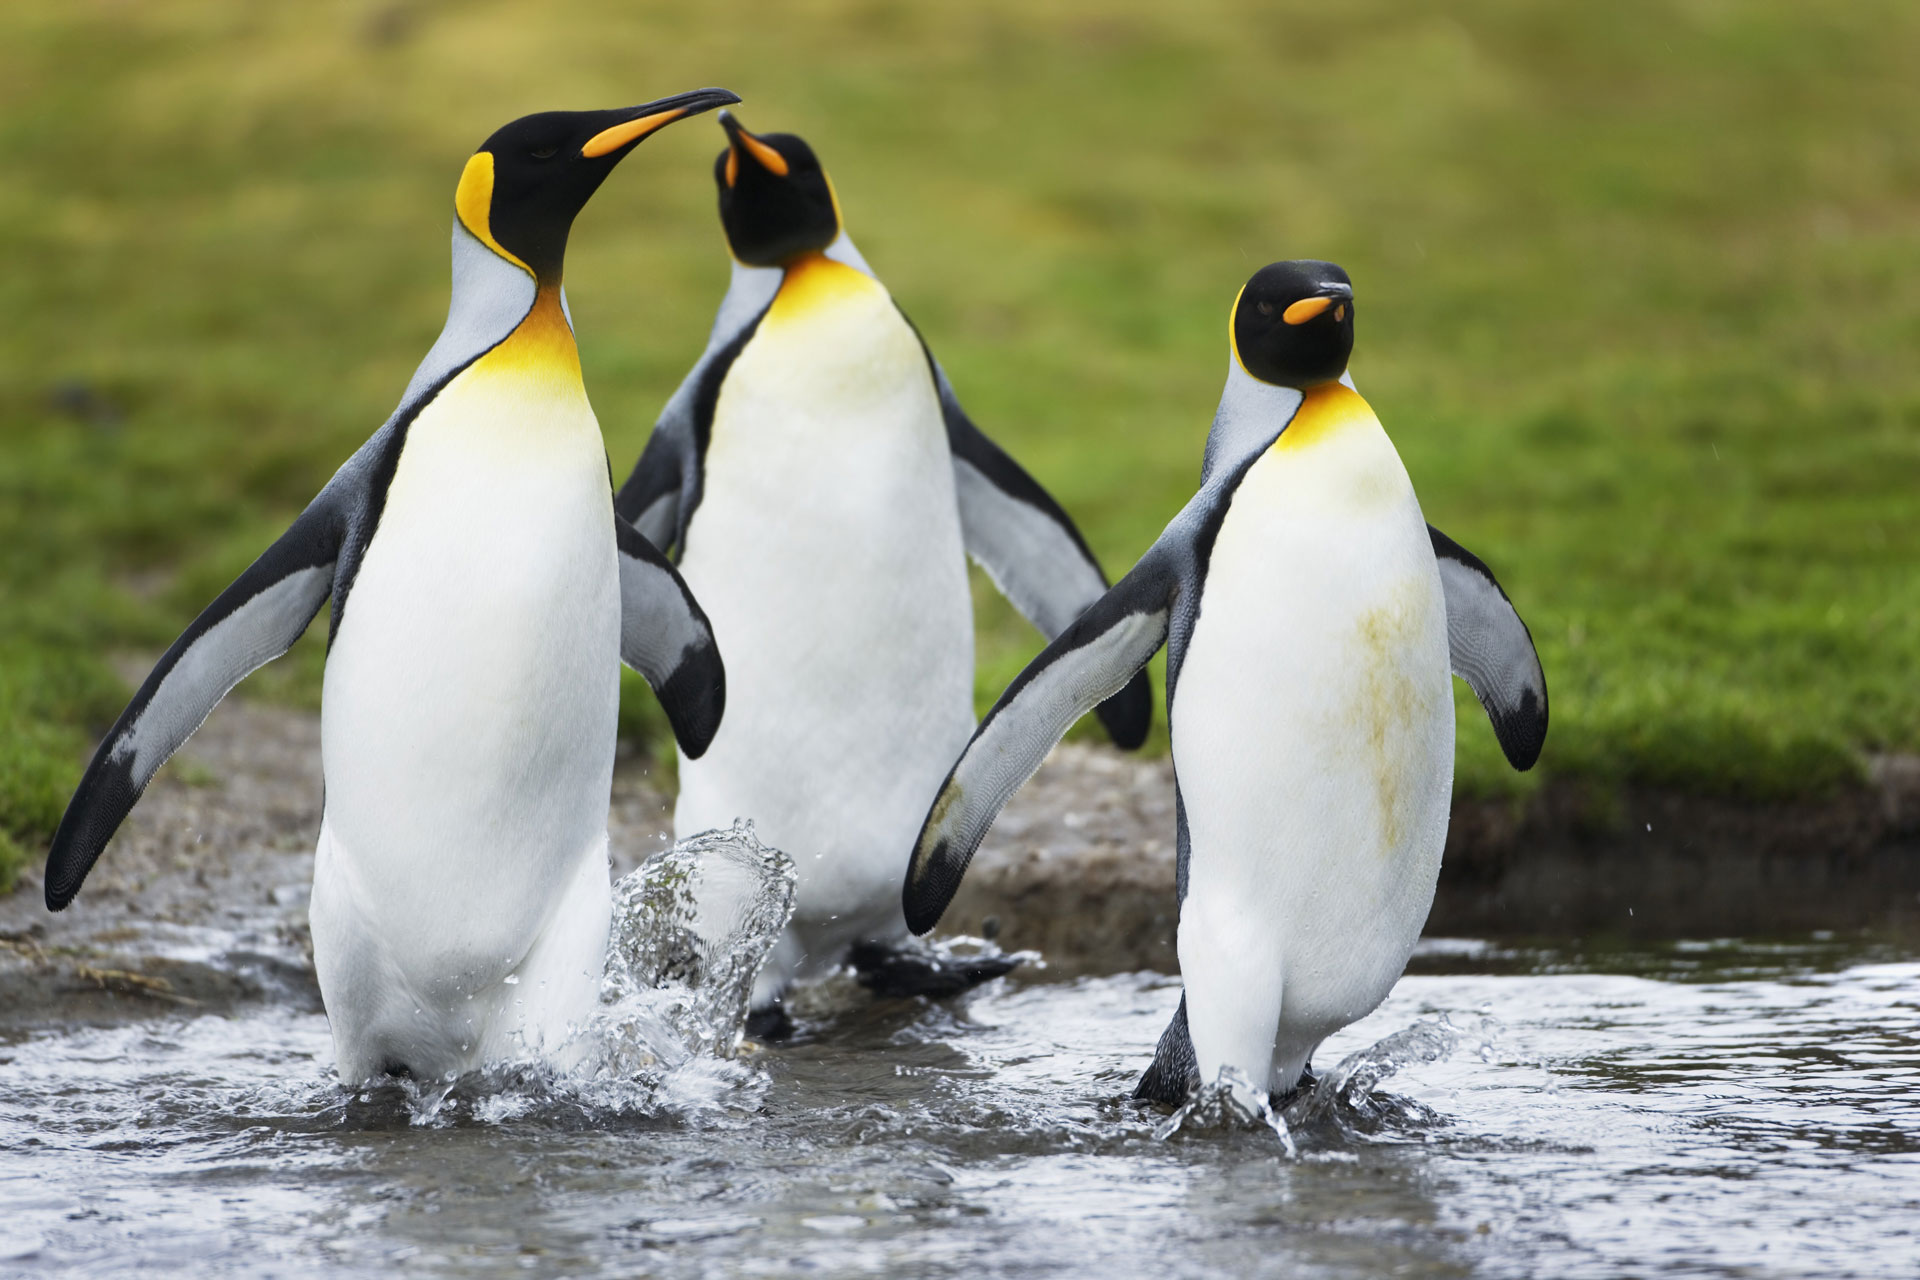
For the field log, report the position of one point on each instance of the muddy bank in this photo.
(201, 901)
(1081, 865)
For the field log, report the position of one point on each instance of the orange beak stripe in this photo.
(733, 165)
(1305, 310)
(632, 131)
(770, 160)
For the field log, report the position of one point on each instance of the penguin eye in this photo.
(544, 153)
(1264, 308)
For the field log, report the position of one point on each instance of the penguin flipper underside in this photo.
(665, 636)
(1492, 650)
(252, 622)
(1096, 656)
(1032, 550)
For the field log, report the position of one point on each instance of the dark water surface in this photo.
(1710, 1109)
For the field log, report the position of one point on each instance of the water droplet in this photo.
(697, 921)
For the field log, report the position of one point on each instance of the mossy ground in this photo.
(1637, 303)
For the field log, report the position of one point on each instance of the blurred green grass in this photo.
(1637, 303)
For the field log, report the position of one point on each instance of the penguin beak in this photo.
(1330, 295)
(638, 122)
(741, 141)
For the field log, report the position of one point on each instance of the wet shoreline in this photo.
(200, 904)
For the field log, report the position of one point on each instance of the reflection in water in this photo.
(1744, 1111)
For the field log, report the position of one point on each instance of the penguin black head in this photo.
(1293, 323)
(775, 200)
(523, 187)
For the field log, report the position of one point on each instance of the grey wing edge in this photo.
(1492, 650)
(252, 622)
(1090, 661)
(665, 636)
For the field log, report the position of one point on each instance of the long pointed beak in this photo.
(643, 120)
(740, 140)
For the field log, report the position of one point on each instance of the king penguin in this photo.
(484, 596)
(822, 488)
(1311, 616)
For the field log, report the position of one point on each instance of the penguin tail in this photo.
(1175, 1073)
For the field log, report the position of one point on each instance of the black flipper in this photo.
(252, 622)
(904, 971)
(665, 636)
(667, 482)
(1031, 549)
(1092, 659)
(1492, 650)
(650, 499)
(1175, 1072)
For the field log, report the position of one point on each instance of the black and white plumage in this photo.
(822, 486)
(1314, 756)
(483, 595)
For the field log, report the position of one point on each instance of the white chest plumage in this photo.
(1313, 734)
(827, 551)
(470, 706)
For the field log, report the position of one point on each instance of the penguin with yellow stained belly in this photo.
(823, 488)
(484, 596)
(1310, 616)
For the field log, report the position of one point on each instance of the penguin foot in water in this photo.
(770, 1024)
(1174, 1075)
(900, 971)
(1301, 1088)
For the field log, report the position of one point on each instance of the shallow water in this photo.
(1715, 1109)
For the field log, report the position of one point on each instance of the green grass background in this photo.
(1637, 303)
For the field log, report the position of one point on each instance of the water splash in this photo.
(1349, 1096)
(691, 928)
(1230, 1102)
(695, 924)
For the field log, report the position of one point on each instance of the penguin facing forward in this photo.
(1310, 616)
(822, 488)
(484, 596)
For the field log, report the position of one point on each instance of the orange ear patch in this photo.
(473, 204)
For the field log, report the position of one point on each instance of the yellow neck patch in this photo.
(541, 348)
(1326, 409)
(1233, 340)
(473, 201)
(839, 219)
(814, 282)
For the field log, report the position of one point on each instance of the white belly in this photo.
(827, 551)
(1312, 732)
(468, 733)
